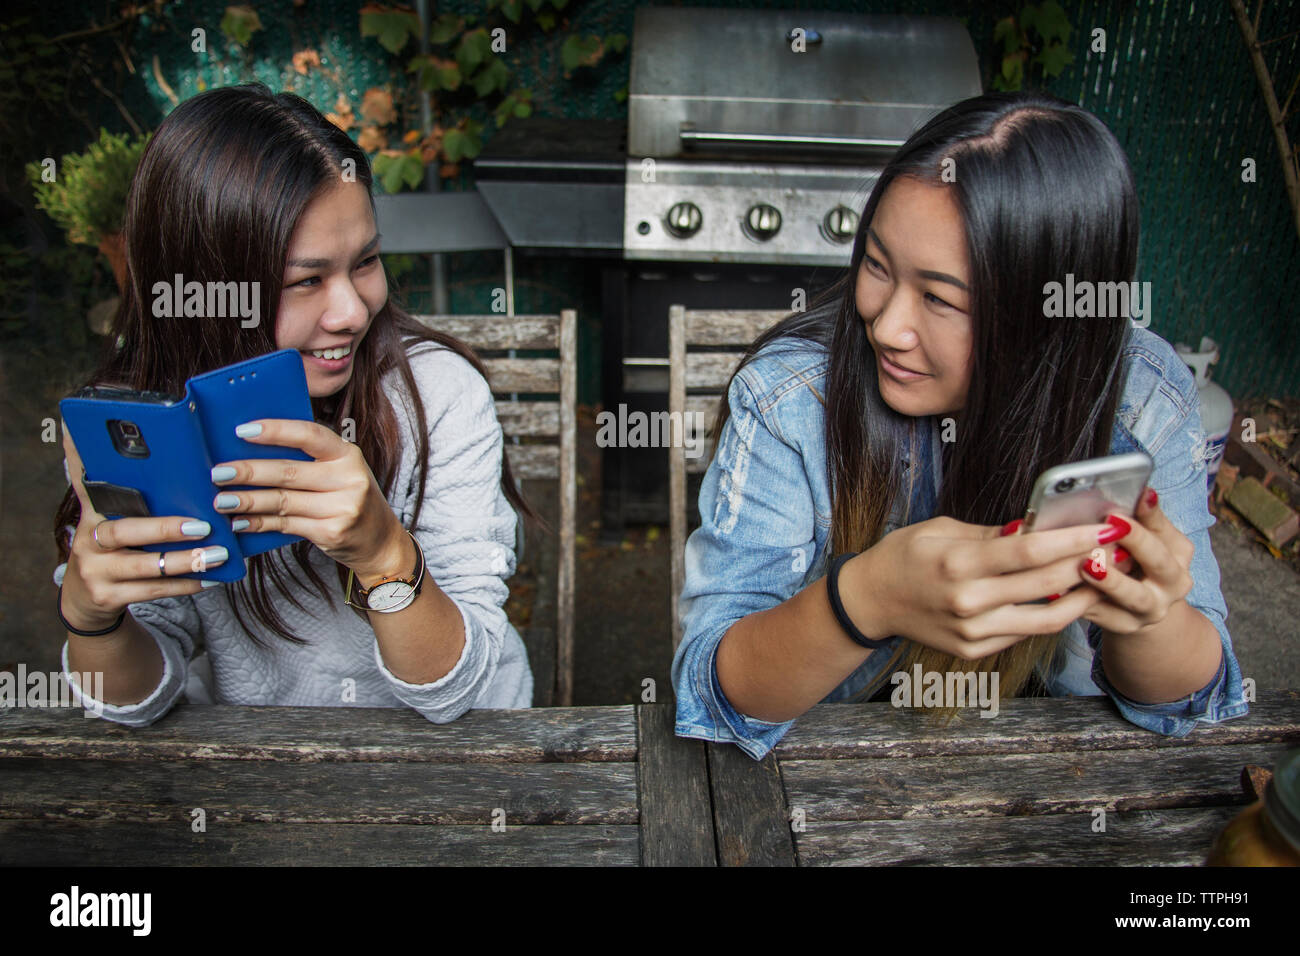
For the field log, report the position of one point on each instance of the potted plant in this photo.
(86, 194)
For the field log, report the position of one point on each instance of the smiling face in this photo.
(334, 285)
(913, 294)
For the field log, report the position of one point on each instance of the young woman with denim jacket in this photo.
(904, 422)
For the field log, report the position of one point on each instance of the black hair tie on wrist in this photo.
(58, 609)
(837, 606)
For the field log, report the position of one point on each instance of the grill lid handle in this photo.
(699, 137)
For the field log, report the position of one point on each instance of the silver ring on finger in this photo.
(95, 534)
(162, 567)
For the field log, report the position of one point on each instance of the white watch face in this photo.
(388, 595)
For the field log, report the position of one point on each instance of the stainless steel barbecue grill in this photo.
(764, 130)
(753, 140)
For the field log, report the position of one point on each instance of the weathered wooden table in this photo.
(612, 786)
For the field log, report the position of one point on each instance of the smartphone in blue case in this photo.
(147, 453)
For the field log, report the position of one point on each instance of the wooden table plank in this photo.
(1019, 784)
(43, 843)
(749, 809)
(1136, 838)
(676, 818)
(1024, 725)
(367, 793)
(306, 734)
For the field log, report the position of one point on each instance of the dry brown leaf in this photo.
(371, 139)
(377, 106)
(304, 60)
(343, 122)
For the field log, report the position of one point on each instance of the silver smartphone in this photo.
(1084, 492)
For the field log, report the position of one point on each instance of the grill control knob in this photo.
(762, 222)
(684, 220)
(840, 224)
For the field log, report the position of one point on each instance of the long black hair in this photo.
(1044, 190)
(217, 196)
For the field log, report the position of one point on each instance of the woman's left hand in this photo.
(1163, 557)
(333, 501)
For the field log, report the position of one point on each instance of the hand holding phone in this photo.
(149, 454)
(107, 570)
(1088, 492)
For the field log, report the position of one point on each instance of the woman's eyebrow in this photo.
(925, 273)
(322, 263)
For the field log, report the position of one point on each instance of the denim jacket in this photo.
(765, 508)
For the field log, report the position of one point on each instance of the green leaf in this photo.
(580, 51)
(620, 95)
(523, 110)
(454, 145)
(535, 5)
(546, 20)
(1054, 59)
(1028, 17)
(494, 76)
(512, 10)
(389, 172)
(1008, 34)
(473, 49)
(412, 169)
(391, 27)
(435, 74)
(1053, 24)
(617, 42)
(1013, 72)
(559, 4)
(445, 28)
(239, 23)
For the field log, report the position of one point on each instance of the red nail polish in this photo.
(1152, 498)
(1094, 570)
(1120, 554)
(1053, 597)
(1011, 527)
(1118, 529)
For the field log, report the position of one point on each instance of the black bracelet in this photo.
(58, 609)
(837, 606)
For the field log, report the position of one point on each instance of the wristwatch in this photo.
(391, 593)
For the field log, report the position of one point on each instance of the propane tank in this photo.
(1216, 404)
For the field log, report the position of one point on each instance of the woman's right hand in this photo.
(962, 588)
(103, 578)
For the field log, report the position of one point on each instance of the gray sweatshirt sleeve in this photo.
(466, 526)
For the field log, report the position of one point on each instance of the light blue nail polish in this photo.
(211, 584)
(249, 430)
(214, 555)
(223, 473)
(226, 501)
(239, 524)
(196, 529)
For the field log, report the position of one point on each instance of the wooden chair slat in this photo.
(540, 375)
(534, 461)
(489, 332)
(729, 326)
(534, 419)
(711, 369)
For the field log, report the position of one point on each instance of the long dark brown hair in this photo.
(1044, 190)
(216, 198)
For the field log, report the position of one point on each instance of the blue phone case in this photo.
(186, 438)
